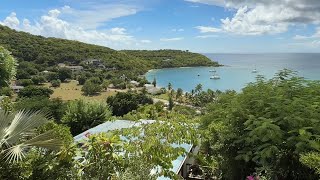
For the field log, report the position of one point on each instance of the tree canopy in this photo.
(264, 129)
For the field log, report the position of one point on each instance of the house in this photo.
(94, 62)
(61, 65)
(135, 83)
(16, 89)
(180, 166)
(152, 90)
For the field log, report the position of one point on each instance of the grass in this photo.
(71, 91)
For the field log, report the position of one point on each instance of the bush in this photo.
(122, 103)
(6, 91)
(91, 86)
(31, 91)
(24, 82)
(38, 80)
(64, 73)
(55, 107)
(82, 115)
(51, 76)
(56, 83)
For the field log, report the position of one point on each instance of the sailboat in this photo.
(215, 76)
(254, 70)
(213, 70)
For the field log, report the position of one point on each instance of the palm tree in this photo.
(18, 133)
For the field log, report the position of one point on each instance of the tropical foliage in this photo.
(264, 129)
(17, 134)
(7, 67)
(82, 115)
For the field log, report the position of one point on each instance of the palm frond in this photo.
(23, 124)
(46, 140)
(20, 127)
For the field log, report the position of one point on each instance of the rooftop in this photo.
(122, 124)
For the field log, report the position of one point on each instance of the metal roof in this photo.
(122, 124)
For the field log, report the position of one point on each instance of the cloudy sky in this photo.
(216, 26)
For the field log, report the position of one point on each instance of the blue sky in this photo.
(215, 26)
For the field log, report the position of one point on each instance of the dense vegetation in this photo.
(270, 130)
(171, 58)
(265, 130)
(48, 52)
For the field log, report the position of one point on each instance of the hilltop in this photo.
(48, 52)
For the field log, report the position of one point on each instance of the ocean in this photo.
(237, 70)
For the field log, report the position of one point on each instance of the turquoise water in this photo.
(237, 71)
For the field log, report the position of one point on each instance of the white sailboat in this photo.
(254, 70)
(215, 76)
(213, 70)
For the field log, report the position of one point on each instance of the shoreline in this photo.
(182, 67)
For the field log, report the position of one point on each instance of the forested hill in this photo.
(172, 58)
(51, 51)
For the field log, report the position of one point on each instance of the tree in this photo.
(7, 67)
(154, 82)
(122, 103)
(198, 88)
(31, 91)
(25, 82)
(171, 103)
(264, 129)
(82, 115)
(102, 160)
(179, 93)
(90, 88)
(38, 80)
(169, 86)
(64, 73)
(54, 107)
(6, 91)
(52, 76)
(56, 83)
(18, 134)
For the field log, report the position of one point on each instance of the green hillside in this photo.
(48, 52)
(172, 58)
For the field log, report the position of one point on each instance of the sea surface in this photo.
(237, 70)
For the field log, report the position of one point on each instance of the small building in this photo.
(94, 62)
(135, 83)
(45, 71)
(148, 86)
(154, 90)
(61, 65)
(16, 88)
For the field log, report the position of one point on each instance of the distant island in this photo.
(47, 53)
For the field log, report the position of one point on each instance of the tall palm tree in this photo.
(18, 133)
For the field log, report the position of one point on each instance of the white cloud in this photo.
(145, 41)
(11, 21)
(172, 39)
(260, 20)
(255, 17)
(208, 29)
(96, 14)
(207, 36)
(51, 25)
(118, 30)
